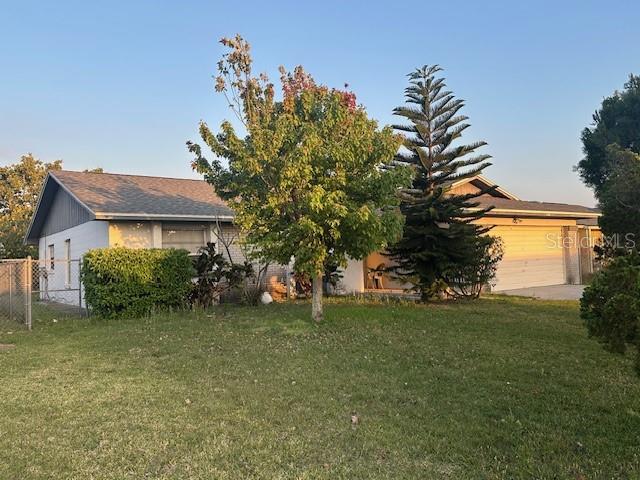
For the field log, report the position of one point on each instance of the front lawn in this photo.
(501, 388)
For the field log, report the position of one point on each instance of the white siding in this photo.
(353, 277)
(84, 237)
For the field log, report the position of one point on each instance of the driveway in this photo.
(551, 292)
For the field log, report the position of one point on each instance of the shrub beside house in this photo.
(125, 282)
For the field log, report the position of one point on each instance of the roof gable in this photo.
(481, 182)
(57, 209)
(504, 203)
(112, 196)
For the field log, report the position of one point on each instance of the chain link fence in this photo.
(28, 283)
(14, 294)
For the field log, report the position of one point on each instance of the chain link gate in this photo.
(43, 284)
(15, 297)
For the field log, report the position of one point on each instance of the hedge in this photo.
(126, 282)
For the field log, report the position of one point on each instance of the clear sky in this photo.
(122, 85)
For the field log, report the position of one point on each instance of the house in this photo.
(79, 211)
(544, 243)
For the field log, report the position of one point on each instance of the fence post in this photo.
(79, 287)
(44, 274)
(287, 279)
(10, 292)
(27, 284)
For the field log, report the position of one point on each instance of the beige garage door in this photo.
(532, 257)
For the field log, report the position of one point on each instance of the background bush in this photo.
(125, 282)
(217, 276)
(610, 305)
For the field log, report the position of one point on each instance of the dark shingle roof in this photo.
(544, 208)
(112, 195)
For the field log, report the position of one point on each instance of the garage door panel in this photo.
(532, 257)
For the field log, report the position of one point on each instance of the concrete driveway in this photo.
(551, 292)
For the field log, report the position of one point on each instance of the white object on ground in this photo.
(265, 298)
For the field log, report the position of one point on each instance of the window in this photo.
(184, 235)
(67, 256)
(52, 257)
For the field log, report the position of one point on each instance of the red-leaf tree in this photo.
(308, 179)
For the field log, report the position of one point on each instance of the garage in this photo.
(533, 257)
(542, 242)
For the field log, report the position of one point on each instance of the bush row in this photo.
(125, 282)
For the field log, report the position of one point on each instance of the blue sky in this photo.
(122, 85)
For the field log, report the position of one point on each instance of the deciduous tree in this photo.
(620, 195)
(617, 122)
(20, 185)
(308, 179)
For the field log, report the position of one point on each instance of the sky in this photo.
(123, 85)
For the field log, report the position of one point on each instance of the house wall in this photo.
(585, 253)
(353, 277)
(572, 256)
(375, 261)
(230, 234)
(84, 237)
(595, 238)
(274, 273)
(465, 188)
(65, 212)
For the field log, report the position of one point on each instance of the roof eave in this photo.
(162, 216)
(539, 213)
(28, 239)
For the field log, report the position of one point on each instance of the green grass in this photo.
(500, 388)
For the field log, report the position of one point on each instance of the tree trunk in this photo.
(316, 302)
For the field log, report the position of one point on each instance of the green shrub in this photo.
(610, 305)
(125, 282)
(216, 276)
(468, 278)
